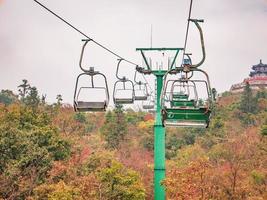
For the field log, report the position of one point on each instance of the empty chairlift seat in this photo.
(93, 106)
(149, 104)
(140, 92)
(123, 92)
(185, 111)
(91, 98)
(187, 117)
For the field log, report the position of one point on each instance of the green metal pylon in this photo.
(159, 144)
(159, 129)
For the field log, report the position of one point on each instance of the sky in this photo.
(36, 46)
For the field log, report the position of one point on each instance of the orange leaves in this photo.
(234, 169)
(191, 181)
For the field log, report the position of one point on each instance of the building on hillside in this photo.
(257, 79)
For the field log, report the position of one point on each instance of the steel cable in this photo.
(79, 31)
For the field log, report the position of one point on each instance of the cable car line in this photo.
(90, 39)
(79, 31)
(187, 28)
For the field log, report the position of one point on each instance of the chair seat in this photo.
(186, 117)
(140, 98)
(83, 106)
(182, 103)
(123, 100)
(183, 123)
(148, 107)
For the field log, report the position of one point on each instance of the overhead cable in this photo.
(187, 28)
(89, 38)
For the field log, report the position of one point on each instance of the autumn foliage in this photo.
(49, 152)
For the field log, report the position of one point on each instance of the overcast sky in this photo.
(36, 46)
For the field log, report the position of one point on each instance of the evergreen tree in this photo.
(24, 88)
(248, 102)
(59, 99)
(32, 99)
(115, 127)
(43, 99)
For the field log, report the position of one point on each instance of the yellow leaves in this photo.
(145, 125)
(262, 104)
(188, 154)
(58, 191)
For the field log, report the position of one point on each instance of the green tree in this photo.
(43, 99)
(80, 117)
(29, 144)
(264, 130)
(248, 102)
(115, 127)
(59, 99)
(32, 99)
(24, 88)
(121, 183)
(58, 191)
(7, 97)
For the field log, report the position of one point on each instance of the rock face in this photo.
(257, 79)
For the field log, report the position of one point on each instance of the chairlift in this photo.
(184, 112)
(140, 90)
(180, 97)
(123, 92)
(149, 104)
(87, 105)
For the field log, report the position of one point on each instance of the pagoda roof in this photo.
(259, 65)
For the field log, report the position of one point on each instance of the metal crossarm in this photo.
(142, 50)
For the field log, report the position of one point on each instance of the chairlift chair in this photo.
(123, 92)
(140, 90)
(190, 114)
(149, 104)
(90, 104)
(181, 98)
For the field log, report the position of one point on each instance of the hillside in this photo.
(51, 152)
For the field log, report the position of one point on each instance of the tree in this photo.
(119, 182)
(115, 127)
(24, 88)
(59, 99)
(57, 191)
(43, 99)
(248, 103)
(32, 99)
(29, 143)
(191, 181)
(7, 97)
